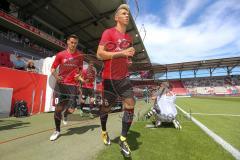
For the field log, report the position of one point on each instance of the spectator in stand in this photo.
(30, 66)
(19, 63)
(13, 10)
(26, 42)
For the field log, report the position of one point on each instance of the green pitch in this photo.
(28, 138)
(219, 114)
(167, 143)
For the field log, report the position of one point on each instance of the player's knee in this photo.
(129, 107)
(132, 102)
(92, 100)
(129, 103)
(71, 110)
(128, 115)
(105, 109)
(59, 108)
(57, 115)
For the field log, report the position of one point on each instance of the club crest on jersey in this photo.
(71, 58)
(121, 44)
(65, 60)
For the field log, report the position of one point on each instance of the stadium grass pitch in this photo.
(219, 114)
(163, 143)
(167, 143)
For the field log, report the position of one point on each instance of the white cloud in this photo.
(216, 34)
(178, 12)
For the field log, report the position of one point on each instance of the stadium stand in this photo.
(223, 85)
(16, 40)
(178, 87)
(213, 85)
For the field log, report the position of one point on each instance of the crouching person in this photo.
(164, 109)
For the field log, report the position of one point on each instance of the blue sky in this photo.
(188, 30)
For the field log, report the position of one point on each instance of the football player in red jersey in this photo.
(88, 75)
(69, 63)
(115, 49)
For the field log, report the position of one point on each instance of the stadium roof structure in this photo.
(212, 64)
(85, 18)
(228, 63)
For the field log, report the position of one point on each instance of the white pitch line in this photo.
(215, 137)
(210, 114)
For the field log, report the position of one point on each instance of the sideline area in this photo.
(28, 138)
(80, 139)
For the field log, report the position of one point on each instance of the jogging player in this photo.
(88, 75)
(69, 63)
(114, 49)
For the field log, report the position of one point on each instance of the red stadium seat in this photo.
(178, 88)
(10, 64)
(1, 54)
(5, 59)
(7, 56)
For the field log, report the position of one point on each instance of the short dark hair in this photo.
(72, 36)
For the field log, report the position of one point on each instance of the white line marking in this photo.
(215, 137)
(211, 114)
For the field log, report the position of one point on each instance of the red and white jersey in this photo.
(89, 74)
(114, 41)
(70, 64)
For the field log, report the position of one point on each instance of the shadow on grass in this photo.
(163, 125)
(12, 124)
(132, 140)
(77, 117)
(167, 125)
(86, 116)
(80, 130)
(127, 158)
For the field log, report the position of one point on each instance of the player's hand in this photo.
(154, 97)
(129, 52)
(58, 78)
(71, 110)
(78, 77)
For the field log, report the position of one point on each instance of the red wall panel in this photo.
(25, 85)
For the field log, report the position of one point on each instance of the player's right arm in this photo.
(55, 64)
(56, 76)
